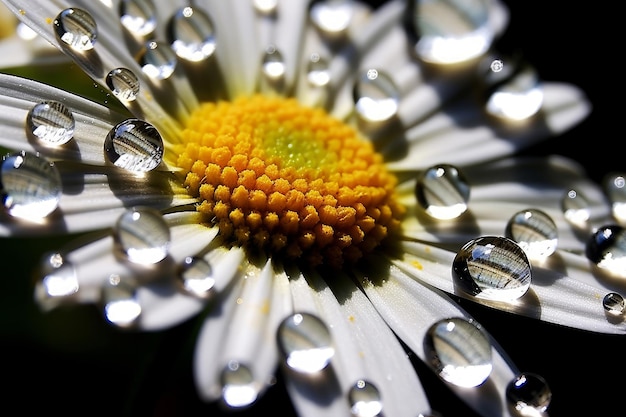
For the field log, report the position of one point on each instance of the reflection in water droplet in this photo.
(196, 276)
(534, 231)
(191, 34)
(76, 28)
(443, 192)
(138, 16)
(376, 96)
(121, 306)
(273, 64)
(123, 83)
(332, 17)
(615, 187)
(607, 249)
(318, 73)
(158, 61)
(134, 145)
(614, 303)
(305, 342)
(518, 97)
(142, 235)
(459, 350)
(492, 268)
(529, 394)
(364, 399)
(51, 122)
(59, 276)
(265, 6)
(452, 31)
(30, 186)
(575, 208)
(239, 389)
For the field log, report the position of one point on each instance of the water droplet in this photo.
(443, 192)
(121, 306)
(492, 268)
(614, 303)
(364, 399)
(529, 394)
(376, 96)
(134, 145)
(191, 34)
(575, 208)
(123, 83)
(534, 231)
(196, 276)
(30, 186)
(265, 6)
(158, 61)
(273, 64)
(452, 31)
(138, 16)
(51, 122)
(239, 389)
(318, 73)
(142, 235)
(607, 249)
(332, 17)
(76, 28)
(518, 97)
(459, 350)
(615, 187)
(59, 276)
(305, 342)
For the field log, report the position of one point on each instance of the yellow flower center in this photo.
(280, 178)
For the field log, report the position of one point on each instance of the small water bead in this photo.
(265, 6)
(196, 276)
(138, 16)
(51, 122)
(76, 28)
(460, 351)
(365, 400)
(454, 31)
(121, 306)
(492, 268)
(142, 235)
(318, 73)
(305, 343)
(30, 186)
(134, 145)
(607, 249)
(517, 98)
(123, 83)
(614, 303)
(375, 96)
(443, 192)
(59, 276)
(239, 389)
(529, 394)
(273, 64)
(332, 16)
(575, 208)
(158, 61)
(534, 231)
(615, 187)
(191, 34)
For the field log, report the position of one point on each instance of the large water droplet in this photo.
(615, 187)
(138, 16)
(452, 31)
(459, 350)
(196, 276)
(158, 60)
(332, 17)
(265, 6)
(492, 268)
(305, 342)
(121, 306)
(273, 64)
(376, 96)
(443, 192)
(318, 73)
(534, 231)
(76, 28)
(518, 97)
(30, 186)
(51, 122)
(364, 399)
(191, 34)
(123, 83)
(238, 387)
(134, 145)
(575, 208)
(614, 303)
(607, 249)
(142, 235)
(529, 394)
(59, 276)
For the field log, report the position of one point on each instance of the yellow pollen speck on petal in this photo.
(417, 265)
(288, 181)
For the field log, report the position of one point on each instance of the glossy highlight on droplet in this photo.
(76, 28)
(134, 145)
(305, 343)
(51, 122)
(142, 235)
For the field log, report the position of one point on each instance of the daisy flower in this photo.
(318, 185)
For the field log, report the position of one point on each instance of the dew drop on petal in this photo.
(142, 235)
(30, 186)
(375, 96)
(614, 303)
(123, 83)
(492, 268)
(575, 208)
(138, 16)
(134, 145)
(59, 276)
(460, 351)
(615, 187)
(238, 386)
(196, 277)
(332, 17)
(51, 122)
(534, 231)
(452, 31)
(443, 192)
(529, 394)
(273, 64)
(158, 61)
(607, 249)
(119, 296)
(191, 34)
(76, 28)
(364, 399)
(265, 6)
(518, 97)
(318, 74)
(305, 343)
